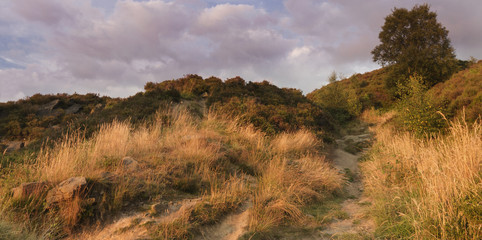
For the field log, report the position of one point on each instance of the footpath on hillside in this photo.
(353, 221)
(345, 216)
(341, 217)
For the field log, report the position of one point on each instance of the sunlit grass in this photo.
(427, 188)
(216, 158)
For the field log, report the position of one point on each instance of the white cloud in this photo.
(114, 46)
(299, 51)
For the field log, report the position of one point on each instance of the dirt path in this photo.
(131, 226)
(230, 228)
(354, 224)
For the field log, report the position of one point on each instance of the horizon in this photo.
(113, 47)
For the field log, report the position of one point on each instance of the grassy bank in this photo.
(426, 188)
(215, 159)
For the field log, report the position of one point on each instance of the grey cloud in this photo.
(135, 30)
(74, 46)
(46, 12)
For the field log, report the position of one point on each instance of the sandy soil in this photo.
(354, 205)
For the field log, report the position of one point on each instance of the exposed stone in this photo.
(73, 109)
(14, 146)
(129, 164)
(51, 105)
(47, 108)
(66, 190)
(158, 208)
(26, 190)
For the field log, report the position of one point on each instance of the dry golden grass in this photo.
(209, 157)
(432, 183)
(372, 116)
(181, 141)
(295, 176)
(297, 142)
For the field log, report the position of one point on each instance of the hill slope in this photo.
(346, 98)
(267, 107)
(462, 90)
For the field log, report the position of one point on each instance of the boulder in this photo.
(26, 190)
(158, 208)
(66, 190)
(47, 108)
(129, 164)
(73, 109)
(14, 146)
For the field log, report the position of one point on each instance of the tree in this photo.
(333, 77)
(414, 42)
(340, 102)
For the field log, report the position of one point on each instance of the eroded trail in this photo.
(231, 227)
(354, 222)
(131, 226)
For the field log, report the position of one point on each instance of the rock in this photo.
(73, 109)
(14, 146)
(66, 190)
(47, 108)
(158, 208)
(129, 164)
(25, 190)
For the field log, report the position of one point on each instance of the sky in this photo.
(113, 47)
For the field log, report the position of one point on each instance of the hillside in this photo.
(368, 87)
(394, 153)
(171, 176)
(267, 107)
(347, 98)
(462, 91)
(196, 158)
(262, 104)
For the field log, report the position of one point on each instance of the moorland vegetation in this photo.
(216, 148)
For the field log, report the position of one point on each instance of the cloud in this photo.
(7, 63)
(46, 12)
(115, 46)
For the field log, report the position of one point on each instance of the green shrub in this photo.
(417, 112)
(341, 103)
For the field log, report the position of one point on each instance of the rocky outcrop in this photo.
(73, 109)
(14, 146)
(48, 108)
(67, 190)
(129, 164)
(158, 208)
(25, 190)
